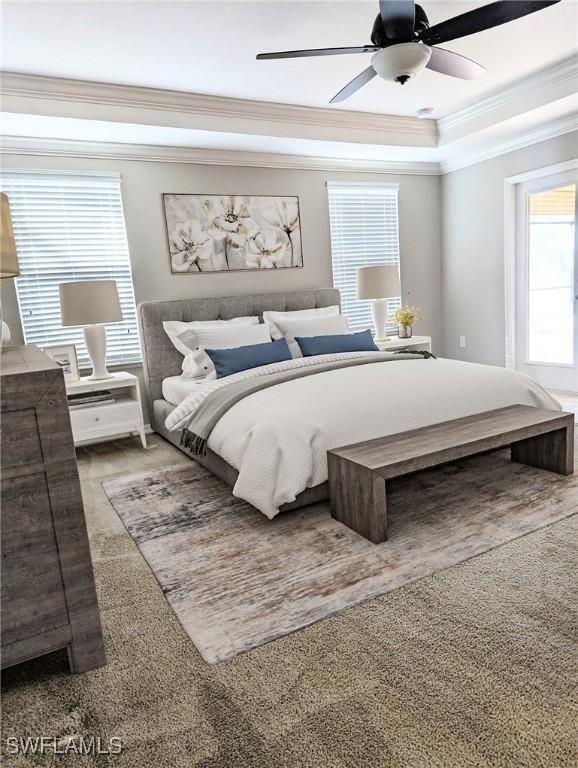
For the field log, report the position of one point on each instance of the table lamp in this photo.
(8, 257)
(378, 284)
(91, 303)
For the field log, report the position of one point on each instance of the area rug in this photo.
(236, 580)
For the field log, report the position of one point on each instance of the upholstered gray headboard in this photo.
(161, 359)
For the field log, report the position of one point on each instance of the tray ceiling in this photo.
(210, 47)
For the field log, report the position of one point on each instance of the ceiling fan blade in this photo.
(450, 63)
(317, 52)
(398, 17)
(357, 82)
(486, 17)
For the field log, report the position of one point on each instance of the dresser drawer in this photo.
(19, 439)
(32, 590)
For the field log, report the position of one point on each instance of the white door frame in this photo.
(510, 224)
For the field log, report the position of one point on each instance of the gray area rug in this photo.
(236, 580)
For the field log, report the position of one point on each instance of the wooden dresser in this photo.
(48, 593)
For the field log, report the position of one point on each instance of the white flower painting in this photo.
(224, 233)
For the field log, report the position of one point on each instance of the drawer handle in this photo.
(97, 418)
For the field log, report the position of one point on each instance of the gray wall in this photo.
(466, 207)
(473, 248)
(143, 183)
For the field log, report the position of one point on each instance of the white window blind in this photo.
(364, 232)
(70, 227)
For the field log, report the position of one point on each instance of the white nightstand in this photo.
(97, 422)
(417, 343)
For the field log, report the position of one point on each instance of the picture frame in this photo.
(65, 356)
(209, 233)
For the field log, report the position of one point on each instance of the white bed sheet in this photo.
(175, 389)
(278, 438)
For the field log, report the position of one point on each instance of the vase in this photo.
(405, 331)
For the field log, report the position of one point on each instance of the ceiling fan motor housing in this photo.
(400, 63)
(380, 37)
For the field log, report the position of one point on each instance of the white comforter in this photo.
(278, 438)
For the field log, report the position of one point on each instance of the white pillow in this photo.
(272, 318)
(331, 325)
(197, 364)
(183, 335)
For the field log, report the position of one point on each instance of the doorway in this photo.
(544, 286)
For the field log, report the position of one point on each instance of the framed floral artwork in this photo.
(226, 233)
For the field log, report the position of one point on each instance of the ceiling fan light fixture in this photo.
(400, 63)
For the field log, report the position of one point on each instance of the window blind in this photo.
(364, 228)
(70, 227)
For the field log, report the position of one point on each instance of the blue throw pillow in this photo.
(229, 361)
(329, 345)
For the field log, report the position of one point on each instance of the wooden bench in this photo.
(358, 473)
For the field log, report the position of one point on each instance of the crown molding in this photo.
(37, 95)
(39, 147)
(33, 94)
(18, 145)
(543, 87)
(550, 130)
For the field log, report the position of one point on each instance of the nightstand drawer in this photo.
(106, 416)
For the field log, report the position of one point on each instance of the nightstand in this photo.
(100, 421)
(417, 343)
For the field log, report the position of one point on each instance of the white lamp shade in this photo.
(89, 302)
(380, 282)
(8, 258)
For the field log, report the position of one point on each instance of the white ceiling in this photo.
(210, 47)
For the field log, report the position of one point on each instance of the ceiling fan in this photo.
(403, 41)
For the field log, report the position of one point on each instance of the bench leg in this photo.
(553, 451)
(357, 497)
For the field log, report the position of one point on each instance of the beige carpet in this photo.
(470, 668)
(237, 580)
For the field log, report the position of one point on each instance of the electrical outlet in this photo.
(462, 341)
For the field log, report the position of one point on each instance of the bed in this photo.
(271, 447)
(161, 360)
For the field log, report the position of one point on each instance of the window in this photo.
(551, 244)
(364, 232)
(70, 227)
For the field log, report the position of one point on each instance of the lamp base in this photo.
(379, 312)
(95, 339)
(92, 377)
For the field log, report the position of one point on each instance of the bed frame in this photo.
(161, 359)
